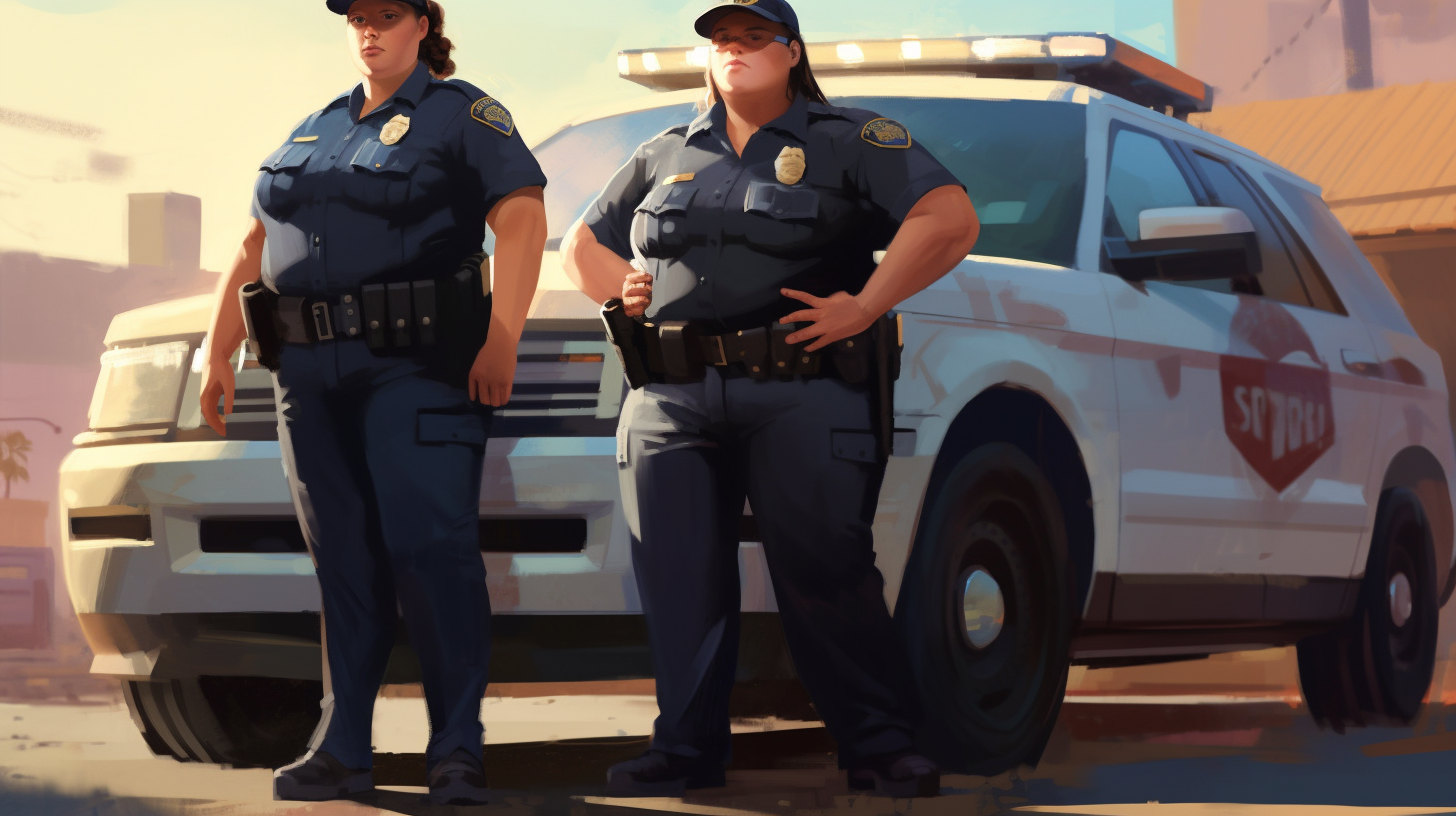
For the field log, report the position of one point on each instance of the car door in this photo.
(1309, 359)
(1231, 469)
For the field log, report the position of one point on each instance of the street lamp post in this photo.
(54, 427)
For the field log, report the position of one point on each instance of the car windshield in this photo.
(1023, 162)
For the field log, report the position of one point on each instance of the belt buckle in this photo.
(718, 346)
(322, 323)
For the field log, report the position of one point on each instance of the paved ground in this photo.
(1149, 755)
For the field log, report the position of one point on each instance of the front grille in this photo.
(567, 383)
(501, 534)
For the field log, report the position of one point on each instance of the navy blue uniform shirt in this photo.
(341, 207)
(722, 234)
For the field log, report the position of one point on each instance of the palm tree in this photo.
(14, 449)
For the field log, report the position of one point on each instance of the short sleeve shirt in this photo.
(722, 234)
(398, 194)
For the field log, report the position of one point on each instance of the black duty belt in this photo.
(398, 315)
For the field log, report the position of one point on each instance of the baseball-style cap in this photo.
(342, 6)
(776, 11)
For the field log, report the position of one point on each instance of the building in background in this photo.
(164, 230)
(1255, 50)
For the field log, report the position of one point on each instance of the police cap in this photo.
(776, 11)
(342, 6)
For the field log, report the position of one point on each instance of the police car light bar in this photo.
(1095, 60)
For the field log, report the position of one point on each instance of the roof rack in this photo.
(1095, 60)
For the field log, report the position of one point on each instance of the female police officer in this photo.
(770, 188)
(359, 219)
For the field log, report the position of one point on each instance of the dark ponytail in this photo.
(435, 48)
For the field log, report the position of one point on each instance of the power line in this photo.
(1279, 50)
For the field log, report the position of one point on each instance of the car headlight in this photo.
(139, 386)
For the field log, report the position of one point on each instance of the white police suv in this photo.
(1166, 410)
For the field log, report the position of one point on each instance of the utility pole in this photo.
(1359, 61)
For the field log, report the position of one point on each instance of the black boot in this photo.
(458, 779)
(900, 775)
(318, 777)
(656, 773)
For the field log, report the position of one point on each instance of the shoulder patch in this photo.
(884, 132)
(487, 111)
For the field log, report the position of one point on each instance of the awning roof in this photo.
(1386, 158)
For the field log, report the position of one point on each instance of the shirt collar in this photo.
(410, 92)
(793, 122)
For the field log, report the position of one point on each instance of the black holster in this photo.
(887, 335)
(628, 337)
(463, 307)
(260, 317)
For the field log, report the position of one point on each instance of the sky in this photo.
(102, 98)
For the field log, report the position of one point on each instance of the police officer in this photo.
(389, 186)
(762, 214)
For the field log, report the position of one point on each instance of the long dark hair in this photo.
(435, 48)
(801, 80)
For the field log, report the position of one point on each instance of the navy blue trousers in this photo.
(802, 453)
(385, 468)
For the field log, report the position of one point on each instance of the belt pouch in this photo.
(376, 315)
(753, 352)
(786, 357)
(260, 306)
(851, 358)
(652, 349)
(682, 358)
(426, 316)
(398, 295)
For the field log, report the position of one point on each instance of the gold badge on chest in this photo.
(789, 166)
(394, 129)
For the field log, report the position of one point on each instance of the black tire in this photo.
(1376, 669)
(992, 708)
(244, 722)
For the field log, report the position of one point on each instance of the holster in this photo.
(449, 342)
(887, 335)
(627, 337)
(260, 317)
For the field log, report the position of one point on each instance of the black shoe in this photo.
(656, 773)
(458, 779)
(318, 777)
(900, 775)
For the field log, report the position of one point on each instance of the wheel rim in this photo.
(1401, 601)
(1001, 668)
(983, 607)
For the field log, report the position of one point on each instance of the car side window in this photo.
(1142, 175)
(1278, 280)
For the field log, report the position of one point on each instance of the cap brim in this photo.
(342, 6)
(709, 18)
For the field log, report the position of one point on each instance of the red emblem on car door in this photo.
(1277, 405)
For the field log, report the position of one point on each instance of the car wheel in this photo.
(238, 721)
(1377, 668)
(986, 613)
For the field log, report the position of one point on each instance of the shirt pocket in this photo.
(781, 218)
(278, 185)
(660, 224)
(380, 176)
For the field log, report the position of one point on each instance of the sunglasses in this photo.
(752, 41)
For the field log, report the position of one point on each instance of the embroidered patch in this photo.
(886, 133)
(678, 178)
(490, 112)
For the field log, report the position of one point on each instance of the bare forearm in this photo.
(226, 329)
(596, 270)
(936, 235)
(519, 223)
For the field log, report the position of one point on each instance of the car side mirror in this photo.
(1188, 244)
